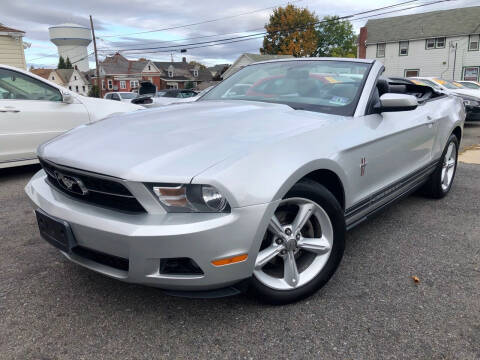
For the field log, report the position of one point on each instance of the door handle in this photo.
(8, 109)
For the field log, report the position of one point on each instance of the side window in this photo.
(15, 85)
(115, 97)
(108, 96)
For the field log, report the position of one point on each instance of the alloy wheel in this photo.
(448, 168)
(296, 246)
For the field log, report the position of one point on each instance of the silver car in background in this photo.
(250, 190)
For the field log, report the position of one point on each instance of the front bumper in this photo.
(144, 239)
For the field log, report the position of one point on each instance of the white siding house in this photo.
(443, 44)
(11, 47)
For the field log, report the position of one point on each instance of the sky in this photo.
(116, 20)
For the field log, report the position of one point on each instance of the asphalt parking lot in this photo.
(371, 308)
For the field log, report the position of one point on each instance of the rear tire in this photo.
(441, 180)
(315, 246)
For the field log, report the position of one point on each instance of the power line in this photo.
(200, 22)
(261, 34)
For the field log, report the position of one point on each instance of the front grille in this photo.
(99, 191)
(101, 258)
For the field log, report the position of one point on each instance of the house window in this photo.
(470, 73)
(83, 88)
(69, 88)
(473, 42)
(123, 84)
(430, 44)
(110, 84)
(403, 48)
(53, 77)
(133, 83)
(76, 88)
(149, 68)
(170, 73)
(440, 43)
(103, 84)
(435, 43)
(381, 50)
(75, 77)
(411, 72)
(195, 73)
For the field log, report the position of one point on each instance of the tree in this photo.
(189, 85)
(336, 38)
(200, 66)
(61, 63)
(68, 64)
(290, 31)
(94, 91)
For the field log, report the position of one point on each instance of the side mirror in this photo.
(391, 102)
(67, 98)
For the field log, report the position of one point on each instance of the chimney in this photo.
(184, 59)
(362, 47)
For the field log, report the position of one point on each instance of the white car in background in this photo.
(123, 96)
(34, 110)
(470, 97)
(475, 85)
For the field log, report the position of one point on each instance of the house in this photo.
(12, 47)
(181, 75)
(118, 73)
(442, 43)
(72, 79)
(218, 69)
(246, 59)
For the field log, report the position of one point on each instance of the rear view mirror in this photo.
(391, 102)
(67, 98)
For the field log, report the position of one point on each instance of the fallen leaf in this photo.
(415, 279)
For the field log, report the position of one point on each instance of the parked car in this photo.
(148, 96)
(34, 110)
(247, 191)
(475, 85)
(471, 97)
(123, 96)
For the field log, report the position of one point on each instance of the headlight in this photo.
(190, 198)
(471, 103)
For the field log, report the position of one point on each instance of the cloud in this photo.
(127, 16)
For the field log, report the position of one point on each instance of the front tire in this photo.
(302, 247)
(441, 180)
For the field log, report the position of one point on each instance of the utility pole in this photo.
(96, 58)
(454, 61)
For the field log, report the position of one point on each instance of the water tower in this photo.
(72, 41)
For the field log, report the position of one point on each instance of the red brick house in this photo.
(117, 73)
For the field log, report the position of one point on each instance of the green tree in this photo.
(94, 91)
(61, 63)
(68, 64)
(189, 85)
(290, 31)
(336, 38)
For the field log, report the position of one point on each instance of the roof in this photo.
(4, 28)
(260, 57)
(461, 21)
(118, 64)
(44, 73)
(65, 74)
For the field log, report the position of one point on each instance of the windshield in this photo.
(471, 85)
(449, 84)
(128, 95)
(329, 86)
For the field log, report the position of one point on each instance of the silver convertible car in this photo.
(248, 190)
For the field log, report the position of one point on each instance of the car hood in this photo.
(101, 108)
(469, 92)
(177, 142)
